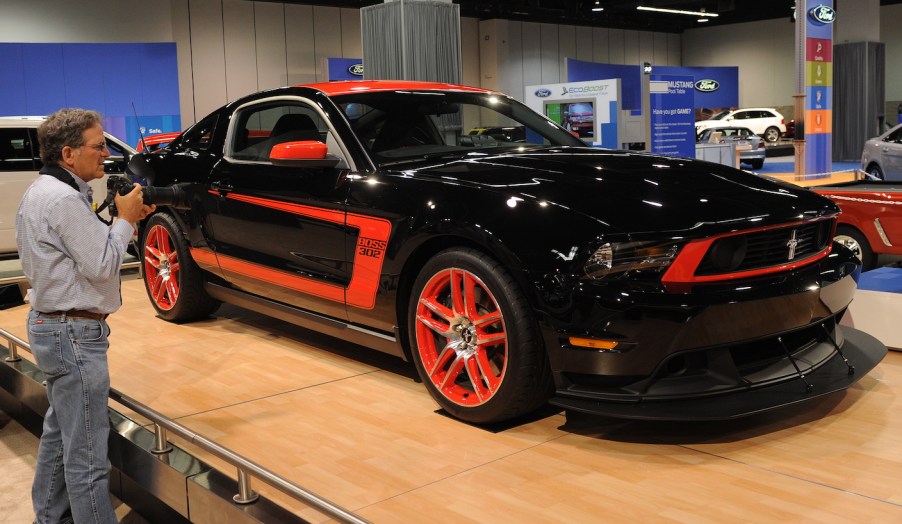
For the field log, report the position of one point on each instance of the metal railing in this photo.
(245, 468)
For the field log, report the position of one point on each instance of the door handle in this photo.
(223, 186)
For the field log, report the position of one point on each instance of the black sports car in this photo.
(511, 273)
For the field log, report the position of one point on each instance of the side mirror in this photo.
(305, 153)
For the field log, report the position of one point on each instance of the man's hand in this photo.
(131, 206)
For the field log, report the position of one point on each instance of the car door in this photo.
(891, 154)
(280, 231)
(18, 170)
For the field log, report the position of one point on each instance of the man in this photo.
(72, 260)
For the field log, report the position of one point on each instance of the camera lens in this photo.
(172, 196)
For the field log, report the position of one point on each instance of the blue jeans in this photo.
(72, 472)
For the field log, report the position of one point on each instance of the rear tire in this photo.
(756, 164)
(474, 339)
(858, 244)
(173, 281)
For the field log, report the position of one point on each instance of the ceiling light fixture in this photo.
(597, 7)
(702, 19)
(675, 11)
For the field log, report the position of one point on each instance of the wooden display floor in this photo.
(355, 427)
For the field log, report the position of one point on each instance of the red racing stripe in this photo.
(369, 255)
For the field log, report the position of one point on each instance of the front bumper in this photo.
(696, 352)
(862, 351)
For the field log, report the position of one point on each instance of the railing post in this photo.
(13, 352)
(160, 440)
(245, 494)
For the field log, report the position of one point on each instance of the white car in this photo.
(20, 162)
(763, 121)
(881, 156)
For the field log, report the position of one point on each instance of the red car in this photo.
(871, 219)
(156, 141)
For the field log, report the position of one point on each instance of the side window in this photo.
(743, 115)
(16, 150)
(894, 137)
(200, 135)
(260, 127)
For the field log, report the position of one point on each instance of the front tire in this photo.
(172, 279)
(857, 243)
(474, 339)
(875, 172)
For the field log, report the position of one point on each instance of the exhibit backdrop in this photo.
(118, 80)
(715, 87)
(818, 87)
(589, 110)
(672, 115)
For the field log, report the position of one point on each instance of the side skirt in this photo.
(322, 324)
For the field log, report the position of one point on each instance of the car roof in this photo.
(162, 137)
(754, 109)
(737, 128)
(15, 121)
(346, 87)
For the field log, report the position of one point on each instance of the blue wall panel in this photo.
(12, 81)
(42, 78)
(159, 78)
(82, 78)
(45, 85)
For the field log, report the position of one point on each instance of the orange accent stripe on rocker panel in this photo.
(203, 256)
(369, 255)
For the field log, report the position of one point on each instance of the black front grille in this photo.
(763, 249)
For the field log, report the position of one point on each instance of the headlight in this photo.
(616, 259)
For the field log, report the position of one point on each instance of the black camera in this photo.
(172, 196)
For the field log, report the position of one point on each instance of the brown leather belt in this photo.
(77, 313)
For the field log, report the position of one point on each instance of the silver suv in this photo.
(763, 121)
(20, 162)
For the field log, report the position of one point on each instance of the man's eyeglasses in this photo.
(100, 148)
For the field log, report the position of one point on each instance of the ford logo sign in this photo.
(356, 70)
(543, 93)
(822, 14)
(707, 86)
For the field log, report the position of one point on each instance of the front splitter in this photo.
(863, 351)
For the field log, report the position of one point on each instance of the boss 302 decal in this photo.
(369, 254)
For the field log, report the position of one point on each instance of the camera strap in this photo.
(65, 177)
(60, 174)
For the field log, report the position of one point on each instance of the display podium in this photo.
(877, 306)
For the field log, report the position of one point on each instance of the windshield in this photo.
(403, 125)
(720, 116)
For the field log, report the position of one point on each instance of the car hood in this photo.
(634, 192)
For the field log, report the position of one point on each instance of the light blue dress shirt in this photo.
(71, 259)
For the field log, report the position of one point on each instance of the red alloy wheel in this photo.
(461, 337)
(161, 268)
